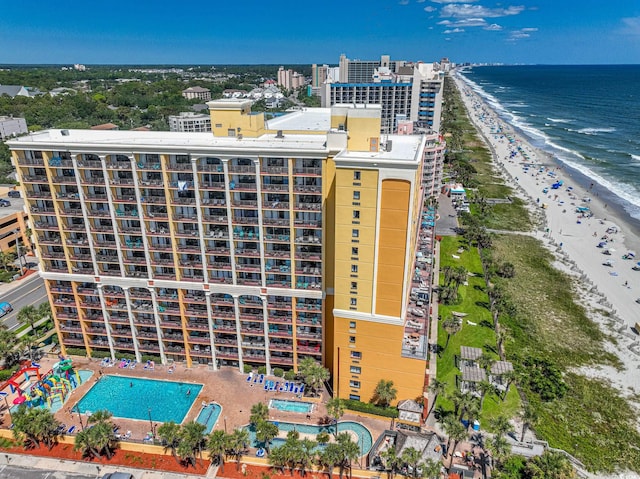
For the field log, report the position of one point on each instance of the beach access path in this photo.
(573, 237)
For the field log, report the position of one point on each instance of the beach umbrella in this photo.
(19, 400)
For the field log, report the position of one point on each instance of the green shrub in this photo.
(100, 354)
(290, 375)
(248, 368)
(370, 408)
(262, 370)
(76, 352)
(7, 373)
(278, 372)
(149, 357)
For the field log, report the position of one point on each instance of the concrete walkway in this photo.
(89, 468)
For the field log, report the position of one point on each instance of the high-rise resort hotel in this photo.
(257, 243)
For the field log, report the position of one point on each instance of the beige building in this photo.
(197, 93)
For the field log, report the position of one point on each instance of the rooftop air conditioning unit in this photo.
(279, 134)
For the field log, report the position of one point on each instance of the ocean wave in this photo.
(634, 157)
(592, 131)
(559, 120)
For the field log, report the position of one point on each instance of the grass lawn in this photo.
(7, 276)
(473, 301)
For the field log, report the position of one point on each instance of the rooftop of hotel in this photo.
(164, 139)
(309, 119)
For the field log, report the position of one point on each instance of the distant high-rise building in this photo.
(197, 93)
(318, 74)
(401, 88)
(190, 121)
(290, 79)
(12, 126)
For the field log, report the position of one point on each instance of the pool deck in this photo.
(227, 387)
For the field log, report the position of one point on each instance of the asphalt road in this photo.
(20, 472)
(31, 291)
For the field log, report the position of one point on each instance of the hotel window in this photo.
(352, 339)
(354, 397)
(354, 251)
(354, 301)
(356, 355)
(356, 195)
(354, 285)
(352, 324)
(355, 233)
(355, 369)
(354, 268)
(356, 176)
(354, 384)
(356, 214)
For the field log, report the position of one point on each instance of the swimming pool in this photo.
(291, 406)
(362, 435)
(209, 415)
(138, 398)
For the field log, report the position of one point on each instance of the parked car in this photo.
(4, 202)
(5, 308)
(14, 194)
(118, 475)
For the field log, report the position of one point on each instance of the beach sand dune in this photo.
(573, 222)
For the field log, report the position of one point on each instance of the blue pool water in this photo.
(291, 406)
(209, 415)
(364, 438)
(131, 398)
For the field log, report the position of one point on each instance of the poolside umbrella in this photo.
(19, 400)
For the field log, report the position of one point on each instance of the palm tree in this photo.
(529, 417)
(6, 259)
(456, 432)
(103, 438)
(349, 451)
(411, 457)
(447, 272)
(501, 425)
(551, 465)
(384, 393)
(238, 444)
(35, 425)
(192, 441)
(330, 457)
(306, 454)
(499, 448)
(467, 404)
(431, 469)
(436, 388)
(335, 409)
(265, 433)
(29, 342)
(484, 387)
(85, 442)
(44, 310)
(169, 434)
(217, 445)
(485, 361)
(313, 373)
(259, 412)
(459, 275)
(278, 458)
(451, 325)
(391, 461)
(28, 315)
(8, 343)
(323, 438)
(99, 416)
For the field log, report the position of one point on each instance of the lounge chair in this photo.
(276, 386)
(249, 377)
(295, 390)
(171, 369)
(261, 379)
(133, 364)
(71, 430)
(266, 386)
(301, 389)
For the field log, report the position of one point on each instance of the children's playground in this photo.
(36, 389)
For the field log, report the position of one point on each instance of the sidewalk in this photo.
(91, 469)
(31, 274)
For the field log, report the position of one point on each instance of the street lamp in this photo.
(225, 424)
(150, 421)
(77, 409)
(18, 251)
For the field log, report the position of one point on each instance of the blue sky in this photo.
(287, 31)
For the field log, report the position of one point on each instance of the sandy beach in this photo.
(574, 234)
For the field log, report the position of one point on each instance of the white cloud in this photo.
(455, 30)
(520, 34)
(464, 10)
(420, 1)
(403, 2)
(454, 1)
(631, 26)
(494, 27)
(430, 9)
(445, 22)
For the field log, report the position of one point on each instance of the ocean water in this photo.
(588, 117)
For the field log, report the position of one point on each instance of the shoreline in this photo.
(608, 293)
